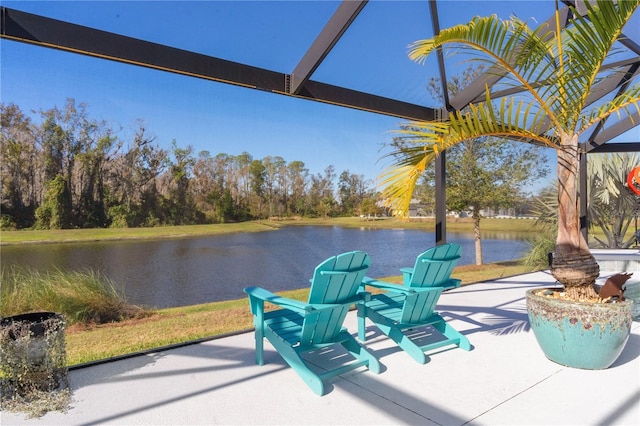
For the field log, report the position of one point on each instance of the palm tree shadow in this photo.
(497, 322)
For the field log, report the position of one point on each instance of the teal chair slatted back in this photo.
(434, 266)
(419, 306)
(335, 281)
(339, 277)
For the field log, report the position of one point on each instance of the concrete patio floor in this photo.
(504, 380)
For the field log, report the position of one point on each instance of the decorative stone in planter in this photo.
(579, 334)
(631, 291)
(33, 361)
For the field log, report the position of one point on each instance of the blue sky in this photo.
(220, 118)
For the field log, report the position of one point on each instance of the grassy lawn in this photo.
(105, 234)
(183, 324)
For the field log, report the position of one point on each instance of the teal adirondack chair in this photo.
(297, 328)
(433, 268)
(403, 309)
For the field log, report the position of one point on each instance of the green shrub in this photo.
(538, 254)
(81, 296)
(118, 217)
(7, 222)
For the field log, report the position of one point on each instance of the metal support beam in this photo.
(616, 147)
(622, 125)
(435, 25)
(46, 32)
(441, 199)
(328, 37)
(582, 195)
(441, 160)
(349, 98)
(614, 130)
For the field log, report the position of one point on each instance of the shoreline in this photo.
(62, 236)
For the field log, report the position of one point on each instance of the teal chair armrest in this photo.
(359, 297)
(387, 286)
(260, 295)
(407, 273)
(452, 283)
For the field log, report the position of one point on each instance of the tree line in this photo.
(72, 171)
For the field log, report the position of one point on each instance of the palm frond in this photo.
(426, 140)
(553, 69)
(590, 39)
(557, 69)
(525, 56)
(516, 119)
(398, 185)
(629, 102)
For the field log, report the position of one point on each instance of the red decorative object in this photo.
(633, 180)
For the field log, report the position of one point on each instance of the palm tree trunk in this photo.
(476, 237)
(573, 265)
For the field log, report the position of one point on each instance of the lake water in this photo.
(180, 272)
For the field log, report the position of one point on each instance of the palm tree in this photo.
(557, 72)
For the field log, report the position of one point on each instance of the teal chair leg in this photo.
(295, 361)
(259, 345)
(404, 342)
(257, 307)
(361, 354)
(362, 326)
(452, 334)
(407, 345)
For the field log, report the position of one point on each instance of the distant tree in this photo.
(18, 165)
(484, 172)
(75, 151)
(223, 205)
(369, 207)
(257, 171)
(93, 162)
(274, 167)
(53, 213)
(203, 179)
(352, 190)
(56, 204)
(70, 170)
(298, 176)
(133, 182)
(321, 199)
(179, 201)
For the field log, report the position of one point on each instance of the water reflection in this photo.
(189, 271)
